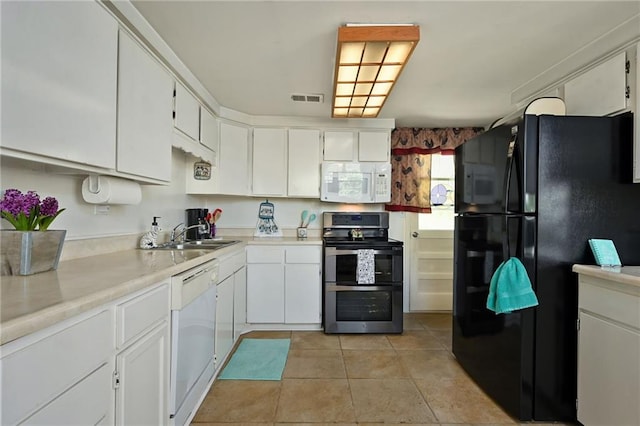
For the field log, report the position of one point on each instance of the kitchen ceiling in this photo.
(253, 55)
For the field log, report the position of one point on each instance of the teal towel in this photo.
(510, 288)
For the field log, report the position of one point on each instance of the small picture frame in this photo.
(201, 170)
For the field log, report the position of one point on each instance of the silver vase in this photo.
(30, 252)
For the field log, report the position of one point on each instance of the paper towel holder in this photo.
(94, 184)
(105, 190)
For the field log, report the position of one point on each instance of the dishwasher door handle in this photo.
(194, 276)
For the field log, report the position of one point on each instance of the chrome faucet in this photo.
(203, 228)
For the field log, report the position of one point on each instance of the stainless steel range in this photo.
(362, 270)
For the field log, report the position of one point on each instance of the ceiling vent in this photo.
(315, 98)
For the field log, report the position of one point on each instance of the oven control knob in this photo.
(415, 235)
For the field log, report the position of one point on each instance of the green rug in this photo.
(257, 359)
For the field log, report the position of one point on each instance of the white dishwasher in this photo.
(193, 313)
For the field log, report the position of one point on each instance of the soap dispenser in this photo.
(150, 239)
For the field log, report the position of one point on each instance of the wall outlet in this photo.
(101, 210)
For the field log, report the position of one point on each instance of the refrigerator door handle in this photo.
(507, 175)
(506, 249)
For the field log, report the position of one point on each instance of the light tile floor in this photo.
(359, 379)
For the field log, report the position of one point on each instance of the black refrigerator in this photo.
(537, 190)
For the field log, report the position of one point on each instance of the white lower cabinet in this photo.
(89, 402)
(141, 377)
(224, 320)
(38, 369)
(265, 292)
(284, 284)
(106, 366)
(608, 353)
(231, 296)
(302, 293)
(142, 382)
(240, 300)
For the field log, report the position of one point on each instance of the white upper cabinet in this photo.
(209, 130)
(304, 163)
(59, 81)
(187, 112)
(233, 162)
(144, 113)
(269, 162)
(365, 145)
(339, 145)
(600, 91)
(374, 146)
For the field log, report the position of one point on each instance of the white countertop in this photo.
(626, 275)
(34, 302)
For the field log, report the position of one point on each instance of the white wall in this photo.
(168, 202)
(242, 212)
(79, 219)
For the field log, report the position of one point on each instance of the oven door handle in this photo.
(332, 251)
(360, 287)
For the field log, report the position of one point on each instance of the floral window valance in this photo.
(411, 150)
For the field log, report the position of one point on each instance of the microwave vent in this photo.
(316, 98)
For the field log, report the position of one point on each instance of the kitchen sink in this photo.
(196, 245)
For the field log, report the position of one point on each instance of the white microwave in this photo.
(356, 182)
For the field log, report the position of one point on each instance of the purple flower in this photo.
(15, 202)
(25, 212)
(49, 206)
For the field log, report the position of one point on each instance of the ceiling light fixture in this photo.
(369, 60)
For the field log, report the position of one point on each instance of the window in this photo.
(442, 194)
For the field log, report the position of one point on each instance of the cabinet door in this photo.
(144, 113)
(233, 169)
(599, 91)
(265, 293)
(208, 130)
(374, 146)
(224, 320)
(608, 373)
(339, 146)
(304, 163)
(239, 302)
(59, 69)
(143, 368)
(37, 372)
(89, 402)
(187, 112)
(302, 294)
(269, 162)
(138, 314)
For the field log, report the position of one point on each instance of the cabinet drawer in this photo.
(140, 313)
(231, 263)
(41, 371)
(87, 403)
(609, 303)
(265, 254)
(304, 254)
